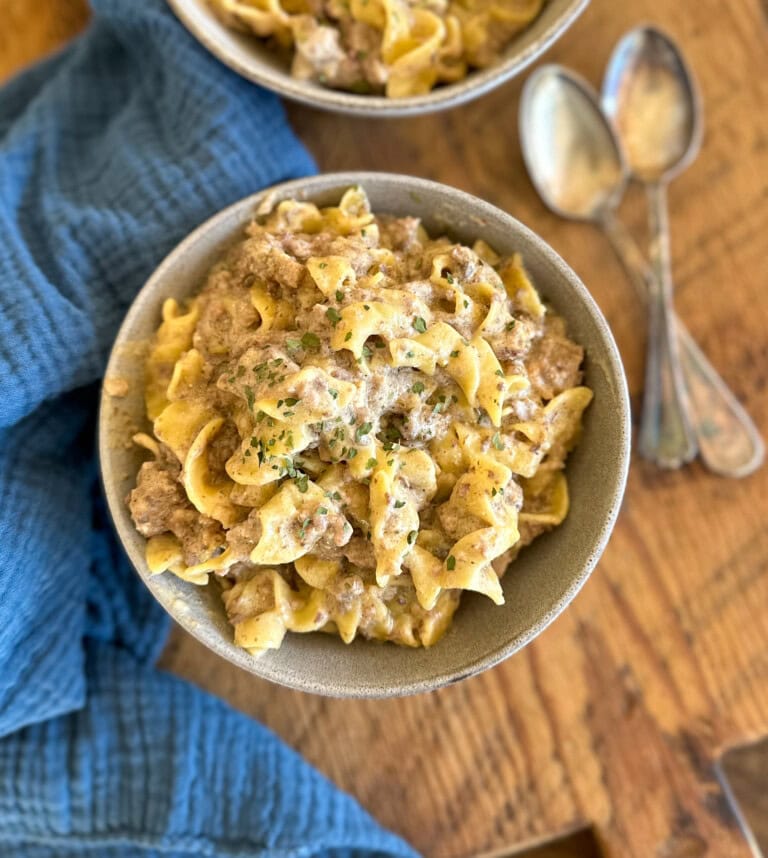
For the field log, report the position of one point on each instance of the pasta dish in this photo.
(352, 424)
(396, 47)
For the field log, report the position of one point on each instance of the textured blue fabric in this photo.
(109, 154)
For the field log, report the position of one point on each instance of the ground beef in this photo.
(201, 537)
(400, 233)
(226, 321)
(243, 537)
(335, 531)
(467, 266)
(553, 365)
(158, 494)
(159, 504)
(512, 342)
(263, 257)
(222, 448)
(346, 590)
(249, 598)
(359, 551)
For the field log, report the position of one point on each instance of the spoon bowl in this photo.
(650, 95)
(569, 147)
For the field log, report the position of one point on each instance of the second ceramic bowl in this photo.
(251, 58)
(541, 582)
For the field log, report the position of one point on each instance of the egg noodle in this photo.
(398, 47)
(352, 423)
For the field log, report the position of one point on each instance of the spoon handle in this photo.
(666, 436)
(729, 442)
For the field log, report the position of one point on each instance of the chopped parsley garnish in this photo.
(310, 340)
(362, 431)
(323, 265)
(412, 536)
(339, 295)
(290, 402)
(466, 303)
(304, 525)
(455, 353)
(371, 463)
(348, 337)
(293, 344)
(322, 510)
(500, 373)
(449, 277)
(497, 442)
(419, 324)
(450, 563)
(399, 504)
(334, 393)
(302, 482)
(333, 315)
(352, 453)
(366, 307)
(249, 397)
(511, 325)
(418, 387)
(366, 352)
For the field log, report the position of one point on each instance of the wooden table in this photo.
(614, 716)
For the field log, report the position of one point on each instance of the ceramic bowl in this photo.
(250, 57)
(541, 582)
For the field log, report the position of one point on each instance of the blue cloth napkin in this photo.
(109, 154)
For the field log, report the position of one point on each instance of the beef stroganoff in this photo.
(397, 47)
(352, 423)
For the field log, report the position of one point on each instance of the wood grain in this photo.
(614, 716)
(29, 30)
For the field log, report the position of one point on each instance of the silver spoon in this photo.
(577, 166)
(651, 99)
